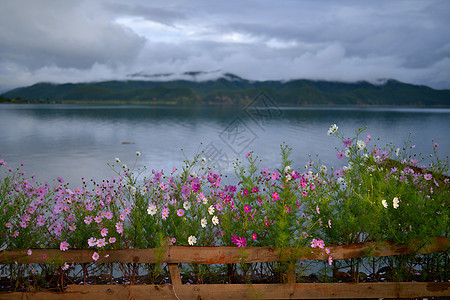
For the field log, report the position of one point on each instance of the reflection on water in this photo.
(75, 141)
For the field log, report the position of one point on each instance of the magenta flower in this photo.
(180, 212)
(241, 242)
(247, 208)
(287, 209)
(254, 237)
(245, 192)
(185, 190)
(248, 154)
(64, 246)
(305, 193)
(255, 189)
(347, 143)
(275, 196)
(340, 154)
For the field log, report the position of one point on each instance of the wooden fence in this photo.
(174, 255)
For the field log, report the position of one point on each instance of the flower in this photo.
(104, 232)
(101, 243)
(180, 212)
(29, 252)
(186, 205)
(64, 246)
(427, 176)
(95, 256)
(368, 138)
(247, 208)
(360, 145)
(204, 222)
(165, 213)
(254, 237)
(151, 210)
(211, 210)
(313, 243)
(329, 223)
(397, 151)
(317, 210)
(117, 160)
(323, 169)
(347, 143)
(384, 202)
(395, 202)
(330, 260)
(192, 240)
(320, 244)
(138, 153)
(92, 242)
(435, 145)
(241, 242)
(215, 220)
(333, 128)
(275, 196)
(112, 240)
(327, 250)
(340, 154)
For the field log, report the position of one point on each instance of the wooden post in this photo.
(173, 268)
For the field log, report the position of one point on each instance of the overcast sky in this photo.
(76, 41)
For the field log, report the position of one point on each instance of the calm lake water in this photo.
(74, 141)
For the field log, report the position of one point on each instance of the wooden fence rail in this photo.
(173, 255)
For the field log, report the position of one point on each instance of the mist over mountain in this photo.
(195, 88)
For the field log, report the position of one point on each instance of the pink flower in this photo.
(254, 237)
(435, 145)
(104, 232)
(330, 260)
(320, 244)
(247, 208)
(255, 189)
(64, 246)
(88, 220)
(347, 143)
(427, 176)
(29, 252)
(314, 243)
(95, 256)
(327, 250)
(180, 212)
(112, 240)
(241, 242)
(287, 209)
(329, 223)
(109, 215)
(368, 138)
(44, 256)
(275, 175)
(248, 154)
(275, 196)
(317, 210)
(304, 193)
(340, 154)
(165, 213)
(92, 242)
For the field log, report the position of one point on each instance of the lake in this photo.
(74, 141)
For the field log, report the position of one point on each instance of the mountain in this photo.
(232, 89)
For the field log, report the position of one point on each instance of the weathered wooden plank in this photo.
(224, 254)
(242, 291)
(175, 276)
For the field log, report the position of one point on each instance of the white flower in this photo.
(186, 205)
(138, 153)
(347, 153)
(384, 202)
(341, 181)
(333, 129)
(287, 169)
(203, 159)
(360, 145)
(117, 160)
(192, 240)
(124, 166)
(323, 169)
(395, 202)
(205, 200)
(215, 220)
(151, 210)
(288, 177)
(143, 190)
(397, 151)
(211, 210)
(204, 222)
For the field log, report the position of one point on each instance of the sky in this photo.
(349, 40)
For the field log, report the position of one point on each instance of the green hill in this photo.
(231, 89)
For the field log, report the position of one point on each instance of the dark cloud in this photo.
(333, 40)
